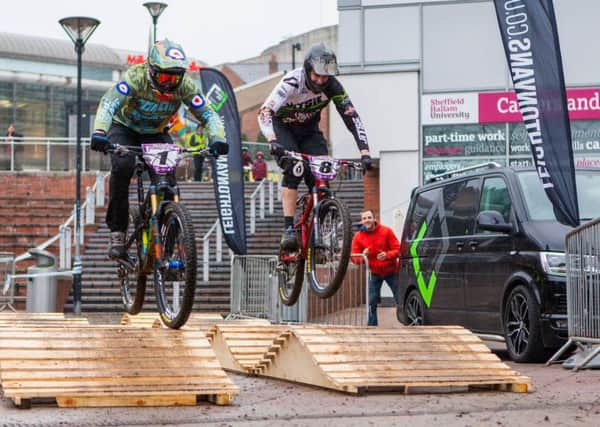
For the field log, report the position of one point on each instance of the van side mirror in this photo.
(493, 221)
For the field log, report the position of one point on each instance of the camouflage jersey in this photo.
(292, 103)
(135, 104)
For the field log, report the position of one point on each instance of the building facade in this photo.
(430, 80)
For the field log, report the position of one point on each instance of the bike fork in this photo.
(315, 226)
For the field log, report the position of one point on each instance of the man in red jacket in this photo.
(382, 249)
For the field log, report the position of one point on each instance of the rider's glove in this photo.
(276, 149)
(100, 142)
(366, 161)
(216, 148)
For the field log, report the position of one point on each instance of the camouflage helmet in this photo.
(167, 64)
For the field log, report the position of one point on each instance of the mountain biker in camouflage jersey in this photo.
(135, 111)
(289, 119)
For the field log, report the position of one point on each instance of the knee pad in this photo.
(293, 172)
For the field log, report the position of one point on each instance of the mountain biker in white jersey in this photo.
(289, 119)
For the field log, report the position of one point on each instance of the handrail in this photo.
(65, 229)
(206, 249)
(12, 143)
(259, 190)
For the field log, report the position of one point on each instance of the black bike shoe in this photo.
(289, 240)
(117, 245)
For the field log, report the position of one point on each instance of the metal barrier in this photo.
(7, 267)
(254, 293)
(583, 293)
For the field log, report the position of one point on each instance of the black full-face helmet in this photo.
(322, 61)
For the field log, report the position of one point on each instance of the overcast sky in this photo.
(214, 31)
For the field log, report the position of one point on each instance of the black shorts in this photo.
(307, 140)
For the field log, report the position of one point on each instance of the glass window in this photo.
(495, 197)
(426, 206)
(539, 206)
(460, 206)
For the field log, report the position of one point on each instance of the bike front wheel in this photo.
(131, 278)
(175, 272)
(329, 252)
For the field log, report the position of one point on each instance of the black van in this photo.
(484, 250)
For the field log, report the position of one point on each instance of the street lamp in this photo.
(295, 47)
(79, 29)
(155, 8)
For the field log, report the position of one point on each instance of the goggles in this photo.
(167, 78)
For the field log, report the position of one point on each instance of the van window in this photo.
(495, 197)
(426, 206)
(460, 206)
(539, 207)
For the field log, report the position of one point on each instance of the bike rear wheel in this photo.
(329, 252)
(290, 276)
(132, 280)
(175, 273)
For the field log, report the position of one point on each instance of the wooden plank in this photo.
(441, 380)
(367, 366)
(141, 343)
(114, 354)
(392, 340)
(209, 369)
(78, 332)
(122, 401)
(408, 348)
(106, 364)
(392, 356)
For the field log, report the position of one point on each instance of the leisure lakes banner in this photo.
(464, 129)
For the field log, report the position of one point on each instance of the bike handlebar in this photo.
(294, 155)
(137, 150)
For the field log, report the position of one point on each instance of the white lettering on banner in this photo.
(584, 103)
(449, 109)
(521, 65)
(225, 205)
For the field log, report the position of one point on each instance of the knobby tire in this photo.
(176, 219)
(332, 213)
(133, 296)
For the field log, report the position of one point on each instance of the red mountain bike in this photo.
(324, 226)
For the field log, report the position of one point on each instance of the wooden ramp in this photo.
(197, 321)
(241, 348)
(19, 319)
(356, 360)
(110, 366)
(152, 320)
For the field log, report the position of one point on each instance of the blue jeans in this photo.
(375, 291)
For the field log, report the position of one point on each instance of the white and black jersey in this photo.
(293, 104)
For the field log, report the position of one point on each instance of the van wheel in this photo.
(414, 309)
(521, 324)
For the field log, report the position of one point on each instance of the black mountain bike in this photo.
(160, 237)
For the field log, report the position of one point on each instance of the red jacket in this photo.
(260, 169)
(381, 238)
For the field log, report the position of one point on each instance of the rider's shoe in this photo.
(289, 240)
(117, 245)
